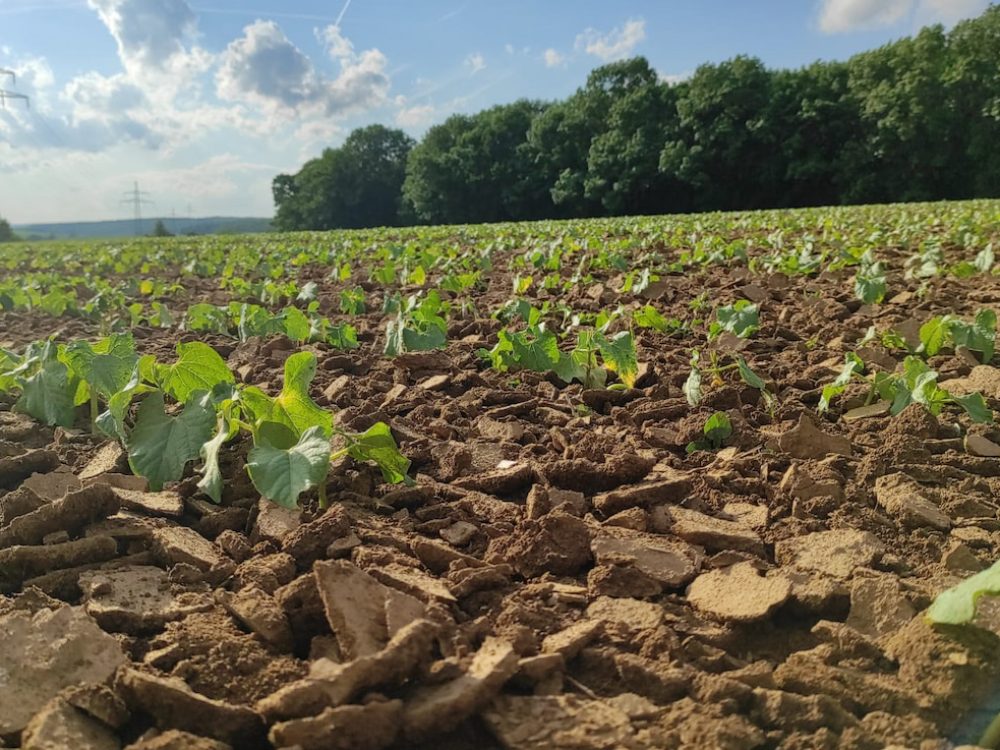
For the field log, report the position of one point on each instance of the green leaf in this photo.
(198, 367)
(161, 445)
(208, 318)
(226, 429)
(293, 407)
(378, 445)
(107, 366)
(980, 336)
(619, 355)
(957, 605)
(281, 474)
(537, 350)
(717, 428)
(112, 421)
(48, 394)
(975, 406)
(740, 318)
(985, 259)
(934, 334)
(297, 326)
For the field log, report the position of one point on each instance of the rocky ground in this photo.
(557, 577)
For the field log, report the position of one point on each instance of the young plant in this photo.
(716, 430)
(693, 386)
(916, 384)
(419, 325)
(740, 319)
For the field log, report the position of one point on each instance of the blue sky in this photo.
(204, 101)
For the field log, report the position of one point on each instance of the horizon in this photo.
(205, 105)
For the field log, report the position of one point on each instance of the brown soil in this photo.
(557, 577)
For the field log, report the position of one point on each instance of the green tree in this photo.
(725, 145)
(160, 230)
(476, 168)
(356, 185)
(6, 232)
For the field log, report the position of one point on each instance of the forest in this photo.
(914, 120)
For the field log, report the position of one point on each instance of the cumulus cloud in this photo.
(338, 45)
(616, 44)
(841, 16)
(475, 62)
(148, 32)
(415, 117)
(265, 68)
(553, 59)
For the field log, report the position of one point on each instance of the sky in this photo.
(203, 102)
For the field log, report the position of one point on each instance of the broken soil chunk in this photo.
(69, 514)
(355, 607)
(837, 552)
(136, 599)
(806, 440)
(441, 707)
(738, 593)
(174, 705)
(45, 652)
(369, 727)
(560, 722)
(59, 726)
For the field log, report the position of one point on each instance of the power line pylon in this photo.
(6, 94)
(137, 198)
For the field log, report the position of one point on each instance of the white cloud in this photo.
(148, 32)
(475, 62)
(508, 48)
(616, 44)
(837, 16)
(840, 16)
(553, 59)
(265, 68)
(415, 117)
(338, 45)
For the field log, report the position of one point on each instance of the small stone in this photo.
(672, 490)
(959, 557)
(977, 445)
(174, 739)
(436, 382)
(493, 429)
(459, 533)
(414, 582)
(738, 593)
(342, 547)
(878, 409)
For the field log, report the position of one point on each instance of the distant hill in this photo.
(127, 227)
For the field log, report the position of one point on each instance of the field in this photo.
(660, 482)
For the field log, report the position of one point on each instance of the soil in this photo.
(558, 576)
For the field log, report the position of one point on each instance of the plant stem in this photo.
(93, 410)
(321, 490)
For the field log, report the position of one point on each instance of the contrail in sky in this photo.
(342, 12)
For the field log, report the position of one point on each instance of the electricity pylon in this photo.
(6, 94)
(137, 198)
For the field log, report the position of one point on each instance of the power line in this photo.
(6, 94)
(138, 199)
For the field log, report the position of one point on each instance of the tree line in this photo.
(916, 119)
